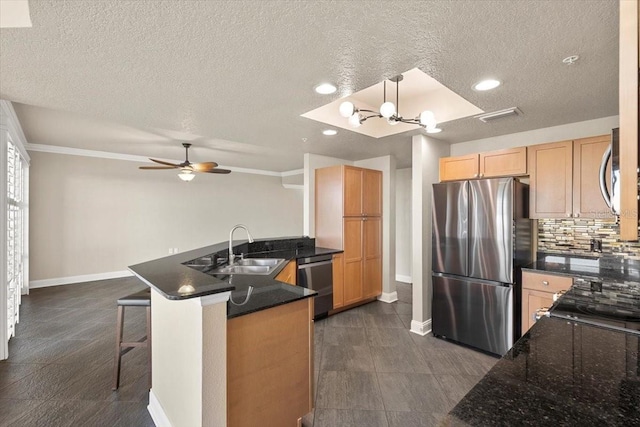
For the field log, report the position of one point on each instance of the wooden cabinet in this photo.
(338, 280)
(564, 179)
(459, 167)
(270, 365)
(628, 107)
(348, 217)
(289, 274)
(372, 257)
(492, 164)
(537, 292)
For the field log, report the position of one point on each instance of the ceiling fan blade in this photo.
(164, 163)
(204, 166)
(224, 171)
(156, 167)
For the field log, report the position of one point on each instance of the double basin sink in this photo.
(259, 266)
(250, 266)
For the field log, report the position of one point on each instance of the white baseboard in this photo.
(78, 279)
(421, 328)
(158, 415)
(388, 297)
(403, 279)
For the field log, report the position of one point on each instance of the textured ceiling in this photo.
(137, 76)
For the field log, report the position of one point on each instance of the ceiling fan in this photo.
(187, 167)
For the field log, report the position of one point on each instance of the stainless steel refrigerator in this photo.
(481, 237)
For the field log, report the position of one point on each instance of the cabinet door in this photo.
(531, 301)
(372, 279)
(509, 162)
(551, 180)
(587, 157)
(628, 107)
(352, 260)
(338, 281)
(372, 192)
(459, 167)
(289, 273)
(352, 191)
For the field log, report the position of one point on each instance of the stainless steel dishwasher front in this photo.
(316, 272)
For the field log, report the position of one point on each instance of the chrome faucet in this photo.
(235, 227)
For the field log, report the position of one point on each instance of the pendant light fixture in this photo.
(388, 111)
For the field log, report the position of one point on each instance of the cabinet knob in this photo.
(481, 175)
(576, 215)
(475, 176)
(545, 283)
(569, 215)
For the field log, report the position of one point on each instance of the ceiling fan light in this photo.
(354, 120)
(347, 109)
(186, 175)
(387, 109)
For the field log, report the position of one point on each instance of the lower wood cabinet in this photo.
(537, 292)
(289, 274)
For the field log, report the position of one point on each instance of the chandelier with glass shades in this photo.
(388, 111)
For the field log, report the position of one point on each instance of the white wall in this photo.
(91, 215)
(386, 164)
(426, 153)
(576, 130)
(403, 225)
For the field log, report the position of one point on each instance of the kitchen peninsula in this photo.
(227, 347)
(578, 366)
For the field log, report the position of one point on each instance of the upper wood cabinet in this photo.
(459, 167)
(628, 92)
(508, 162)
(564, 179)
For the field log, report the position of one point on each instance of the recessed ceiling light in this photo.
(325, 89)
(486, 85)
(329, 132)
(434, 130)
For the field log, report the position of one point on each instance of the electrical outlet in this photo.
(175, 250)
(170, 251)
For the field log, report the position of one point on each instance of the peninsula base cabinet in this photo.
(348, 217)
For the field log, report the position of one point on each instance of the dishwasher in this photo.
(316, 273)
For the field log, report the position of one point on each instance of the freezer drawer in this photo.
(476, 313)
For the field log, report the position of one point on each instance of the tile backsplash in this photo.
(573, 236)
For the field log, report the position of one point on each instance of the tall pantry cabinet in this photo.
(348, 203)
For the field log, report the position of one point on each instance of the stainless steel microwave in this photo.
(611, 196)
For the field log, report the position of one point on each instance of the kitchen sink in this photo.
(251, 266)
(260, 261)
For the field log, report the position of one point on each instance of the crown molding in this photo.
(57, 149)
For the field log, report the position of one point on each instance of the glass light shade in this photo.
(186, 175)
(347, 109)
(387, 109)
(354, 120)
(392, 122)
(434, 130)
(428, 119)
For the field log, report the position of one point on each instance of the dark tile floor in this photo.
(370, 370)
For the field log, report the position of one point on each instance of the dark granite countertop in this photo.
(175, 280)
(579, 367)
(560, 373)
(605, 268)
